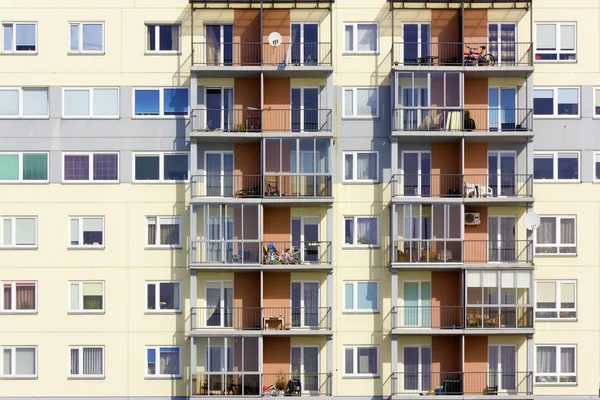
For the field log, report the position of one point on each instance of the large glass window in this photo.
(23, 167)
(86, 37)
(361, 296)
(163, 296)
(361, 38)
(361, 231)
(560, 102)
(361, 102)
(556, 364)
(361, 166)
(18, 362)
(361, 360)
(19, 37)
(86, 362)
(86, 297)
(556, 235)
(163, 38)
(19, 232)
(91, 102)
(164, 362)
(19, 297)
(556, 300)
(556, 165)
(160, 102)
(161, 167)
(16, 102)
(556, 41)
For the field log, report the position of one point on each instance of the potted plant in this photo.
(280, 382)
(25, 305)
(362, 240)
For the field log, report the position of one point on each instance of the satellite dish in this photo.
(531, 220)
(275, 39)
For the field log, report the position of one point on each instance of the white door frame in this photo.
(498, 169)
(420, 347)
(419, 171)
(301, 372)
(499, 99)
(302, 88)
(499, 42)
(499, 373)
(301, 24)
(221, 169)
(499, 238)
(222, 89)
(419, 295)
(302, 322)
(419, 36)
(222, 287)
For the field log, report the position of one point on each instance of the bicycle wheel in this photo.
(490, 60)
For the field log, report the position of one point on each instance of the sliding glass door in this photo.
(219, 45)
(417, 304)
(305, 44)
(219, 174)
(502, 173)
(305, 366)
(219, 304)
(305, 109)
(305, 304)
(219, 109)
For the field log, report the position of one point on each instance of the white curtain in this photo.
(366, 166)
(74, 361)
(546, 360)
(348, 167)
(92, 361)
(349, 38)
(508, 363)
(169, 362)
(567, 231)
(213, 299)
(367, 230)
(546, 233)
(567, 360)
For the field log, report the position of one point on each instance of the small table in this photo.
(275, 323)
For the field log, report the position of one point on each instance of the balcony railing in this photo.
(236, 384)
(234, 120)
(265, 318)
(503, 316)
(215, 54)
(416, 317)
(297, 185)
(461, 383)
(471, 54)
(214, 185)
(424, 251)
(301, 253)
(463, 185)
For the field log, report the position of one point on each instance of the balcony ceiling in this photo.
(264, 3)
(457, 3)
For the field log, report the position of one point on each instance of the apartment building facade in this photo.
(212, 198)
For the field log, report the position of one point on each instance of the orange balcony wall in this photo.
(445, 355)
(445, 159)
(476, 100)
(277, 224)
(246, 29)
(476, 26)
(276, 354)
(476, 360)
(275, 21)
(276, 297)
(246, 293)
(475, 235)
(476, 160)
(276, 98)
(246, 95)
(446, 289)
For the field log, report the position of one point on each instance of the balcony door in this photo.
(416, 173)
(220, 238)
(219, 45)
(502, 166)
(305, 304)
(305, 44)
(219, 304)
(502, 39)
(502, 104)
(305, 109)
(502, 367)
(502, 238)
(417, 368)
(305, 366)
(219, 109)
(417, 305)
(416, 39)
(305, 238)
(219, 174)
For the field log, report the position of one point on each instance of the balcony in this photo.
(428, 383)
(253, 122)
(475, 187)
(298, 186)
(239, 384)
(422, 317)
(457, 251)
(454, 121)
(226, 186)
(265, 320)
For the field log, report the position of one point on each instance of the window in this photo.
(86, 232)
(556, 166)
(361, 360)
(596, 167)
(361, 38)
(361, 296)
(556, 300)
(91, 102)
(23, 167)
(556, 102)
(19, 232)
(556, 235)
(163, 296)
(18, 297)
(163, 362)
(19, 37)
(161, 167)
(160, 102)
(361, 231)
(162, 39)
(18, 362)
(361, 166)
(556, 364)
(86, 362)
(163, 232)
(596, 112)
(555, 41)
(91, 167)
(86, 37)
(87, 297)
(16, 102)
(361, 102)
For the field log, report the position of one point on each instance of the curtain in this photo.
(493, 366)
(25, 296)
(213, 300)
(311, 369)
(7, 296)
(92, 361)
(348, 167)
(311, 303)
(7, 361)
(213, 45)
(411, 368)
(366, 167)
(546, 233)
(508, 363)
(349, 38)
(169, 361)
(425, 368)
(151, 231)
(366, 230)
(169, 234)
(349, 356)
(74, 361)
(567, 360)
(546, 360)
(367, 360)
(567, 231)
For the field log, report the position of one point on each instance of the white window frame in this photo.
(355, 309)
(161, 167)
(14, 25)
(14, 230)
(161, 103)
(81, 245)
(499, 374)
(4, 375)
(354, 26)
(596, 90)
(13, 300)
(80, 357)
(355, 243)
(354, 155)
(21, 114)
(156, 26)
(558, 50)
(21, 179)
(355, 362)
(557, 293)
(90, 167)
(556, 245)
(555, 156)
(90, 91)
(555, 113)
(81, 309)
(355, 103)
(157, 355)
(419, 373)
(80, 49)
(157, 222)
(157, 309)
(557, 374)
(595, 159)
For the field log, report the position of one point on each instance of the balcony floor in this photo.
(270, 71)
(482, 201)
(236, 267)
(469, 331)
(417, 396)
(513, 71)
(199, 332)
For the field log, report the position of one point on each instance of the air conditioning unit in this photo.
(472, 219)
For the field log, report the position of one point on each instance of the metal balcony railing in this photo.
(236, 54)
(428, 317)
(503, 316)
(297, 185)
(461, 383)
(257, 318)
(470, 54)
(222, 185)
(457, 119)
(463, 185)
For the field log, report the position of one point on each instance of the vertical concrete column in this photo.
(193, 231)
(193, 301)
(193, 363)
(530, 355)
(394, 338)
(394, 293)
(193, 159)
(395, 156)
(330, 364)
(330, 233)
(394, 361)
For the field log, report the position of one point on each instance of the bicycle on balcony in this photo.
(481, 58)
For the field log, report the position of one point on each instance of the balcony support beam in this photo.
(394, 362)
(329, 350)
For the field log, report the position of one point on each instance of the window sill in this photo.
(361, 53)
(360, 118)
(163, 53)
(556, 320)
(153, 378)
(360, 247)
(85, 53)
(570, 255)
(543, 181)
(19, 312)
(360, 312)
(177, 247)
(161, 312)
(167, 117)
(554, 61)
(361, 182)
(360, 376)
(555, 384)
(87, 377)
(26, 117)
(19, 53)
(27, 182)
(85, 247)
(87, 312)
(18, 248)
(552, 117)
(17, 378)
(90, 182)
(161, 182)
(84, 117)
